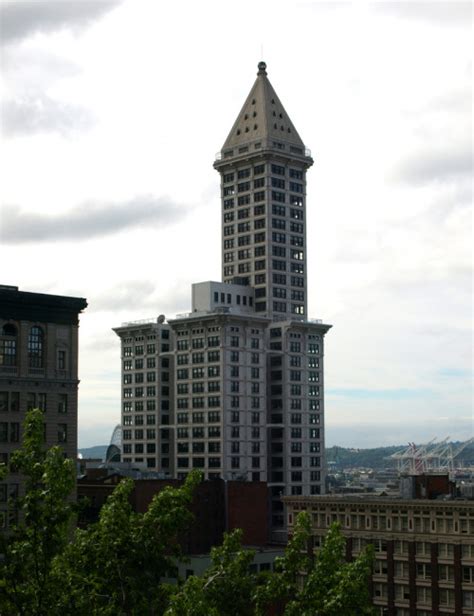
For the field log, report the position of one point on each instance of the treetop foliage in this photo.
(124, 564)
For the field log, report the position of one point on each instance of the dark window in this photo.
(8, 345)
(35, 347)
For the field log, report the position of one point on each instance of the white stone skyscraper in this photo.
(236, 389)
(263, 167)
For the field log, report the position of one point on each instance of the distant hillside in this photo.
(343, 457)
(98, 451)
(377, 458)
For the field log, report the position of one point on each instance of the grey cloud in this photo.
(29, 69)
(435, 165)
(87, 221)
(18, 20)
(438, 13)
(105, 343)
(143, 295)
(39, 113)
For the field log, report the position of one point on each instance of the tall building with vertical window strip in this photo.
(246, 365)
(263, 165)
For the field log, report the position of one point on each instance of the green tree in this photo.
(27, 582)
(118, 565)
(321, 585)
(226, 589)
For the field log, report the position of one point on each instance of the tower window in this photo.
(243, 173)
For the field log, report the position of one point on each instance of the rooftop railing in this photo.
(263, 144)
(140, 322)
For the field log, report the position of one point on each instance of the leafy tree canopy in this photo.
(122, 564)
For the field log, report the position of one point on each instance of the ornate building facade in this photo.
(38, 369)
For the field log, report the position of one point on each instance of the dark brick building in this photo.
(218, 506)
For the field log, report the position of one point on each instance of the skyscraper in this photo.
(263, 167)
(243, 395)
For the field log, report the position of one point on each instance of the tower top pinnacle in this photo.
(263, 119)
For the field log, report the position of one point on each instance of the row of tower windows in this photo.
(260, 183)
(260, 223)
(139, 406)
(277, 210)
(258, 197)
(260, 279)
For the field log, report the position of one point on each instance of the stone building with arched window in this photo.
(38, 369)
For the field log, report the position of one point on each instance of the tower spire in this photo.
(263, 118)
(263, 167)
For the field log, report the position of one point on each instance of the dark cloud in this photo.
(20, 19)
(438, 13)
(86, 221)
(435, 165)
(39, 113)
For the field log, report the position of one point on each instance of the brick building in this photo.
(218, 506)
(424, 547)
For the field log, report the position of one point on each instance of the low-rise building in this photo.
(424, 548)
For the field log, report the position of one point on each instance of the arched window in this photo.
(35, 347)
(8, 337)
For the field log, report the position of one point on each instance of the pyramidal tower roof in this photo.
(262, 117)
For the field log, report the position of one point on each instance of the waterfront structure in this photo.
(38, 369)
(244, 368)
(424, 548)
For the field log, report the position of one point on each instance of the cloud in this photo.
(39, 113)
(144, 295)
(87, 221)
(19, 20)
(434, 165)
(438, 13)
(383, 394)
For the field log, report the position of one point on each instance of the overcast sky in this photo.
(112, 113)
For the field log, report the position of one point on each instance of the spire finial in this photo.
(261, 68)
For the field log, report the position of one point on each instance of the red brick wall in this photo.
(248, 510)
